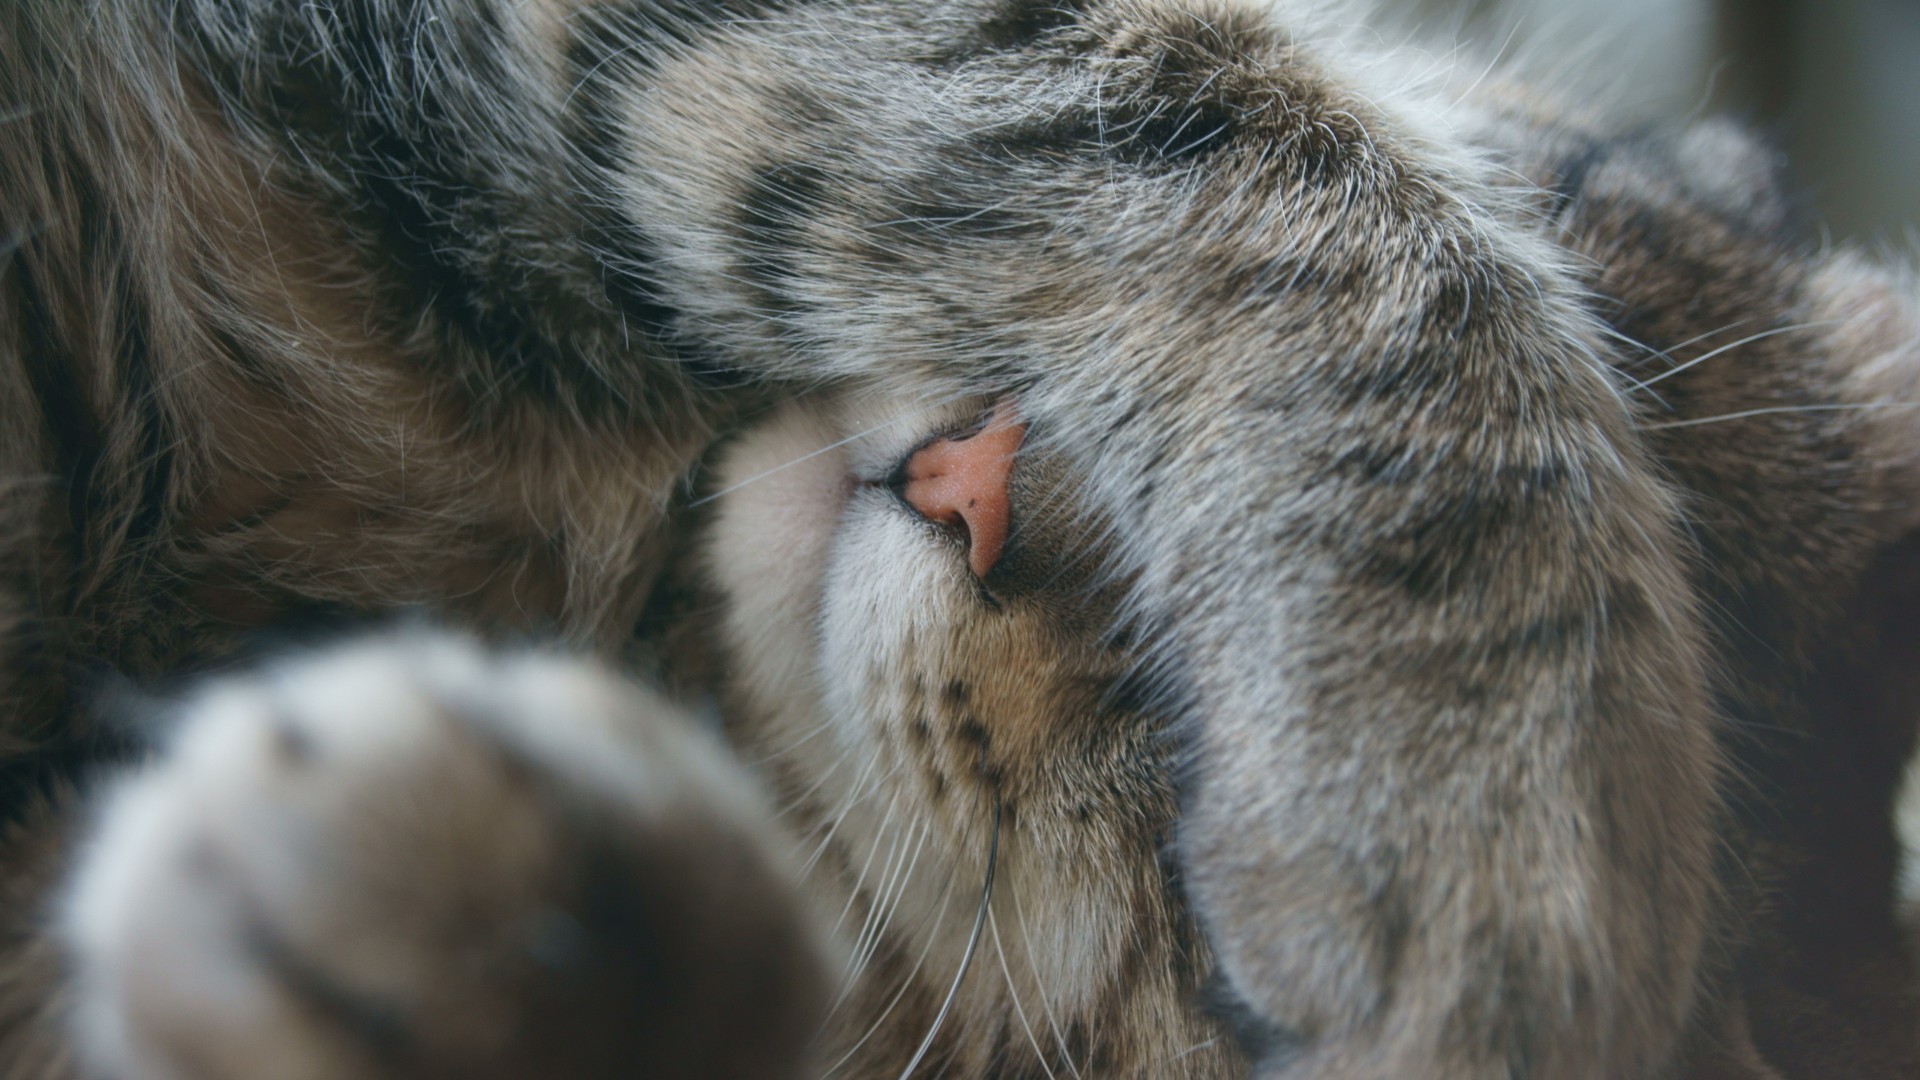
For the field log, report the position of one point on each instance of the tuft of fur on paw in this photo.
(411, 856)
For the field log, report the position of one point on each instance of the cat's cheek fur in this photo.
(781, 494)
(416, 853)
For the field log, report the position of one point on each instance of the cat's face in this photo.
(905, 680)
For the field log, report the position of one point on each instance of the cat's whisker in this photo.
(880, 834)
(1774, 410)
(860, 952)
(893, 892)
(904, 416)
(831, 821)
(973, 946)
(1192, 1050)
(1714, 333)
(623, 53)
(1013, 995)
(1652, 352)
(1635, 343)
(784, 466)
(806, 795)
(1730, 346)
(856, 796)
(1492, 65)
(1642, 346)
(858, 957)
(912, 978)
(791, 747)
(1040, 985)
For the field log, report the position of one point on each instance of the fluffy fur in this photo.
(1505, 522)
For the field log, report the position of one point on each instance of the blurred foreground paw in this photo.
(415, 857)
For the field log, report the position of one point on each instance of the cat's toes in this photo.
(411, 857)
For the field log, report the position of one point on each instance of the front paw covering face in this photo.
(413, 857)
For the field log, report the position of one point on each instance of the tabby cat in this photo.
(1448, 614)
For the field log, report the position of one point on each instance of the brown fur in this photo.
(1527, 709)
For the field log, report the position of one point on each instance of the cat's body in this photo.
(1498, 540)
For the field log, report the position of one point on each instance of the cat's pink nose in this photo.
(961, 482)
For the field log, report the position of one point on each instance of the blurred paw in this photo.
(413, 856)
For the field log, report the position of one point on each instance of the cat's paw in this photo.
(412, 856)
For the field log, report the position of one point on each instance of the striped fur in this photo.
(1517, 513)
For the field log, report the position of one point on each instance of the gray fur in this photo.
(1470, 632)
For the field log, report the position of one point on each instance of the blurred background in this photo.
(1835, 83)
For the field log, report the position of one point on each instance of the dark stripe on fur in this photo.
(428, 123)
(774, 212)
(1570, 175)
(140, 408)
(113, 507)
(612, 47)
(1018, 25)
(1144, 134)
(72, 426)
(1262, 1040)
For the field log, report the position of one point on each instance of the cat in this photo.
(1529, 670)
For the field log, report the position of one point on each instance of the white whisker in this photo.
(1498, 55)
(1628, 339)
(806, 795)
(1013, 994)
(1698, 338)
(854, 798)
(905, 416)
(887, 902)
(784, 466)
(1779, 409)
(860, 879)
(859, 953)
(1192, 1050)
(932, 935)
(966, 960)
(1711, 353)
(790, 747)
(1040, 986)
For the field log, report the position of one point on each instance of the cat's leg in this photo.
(411, 856)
